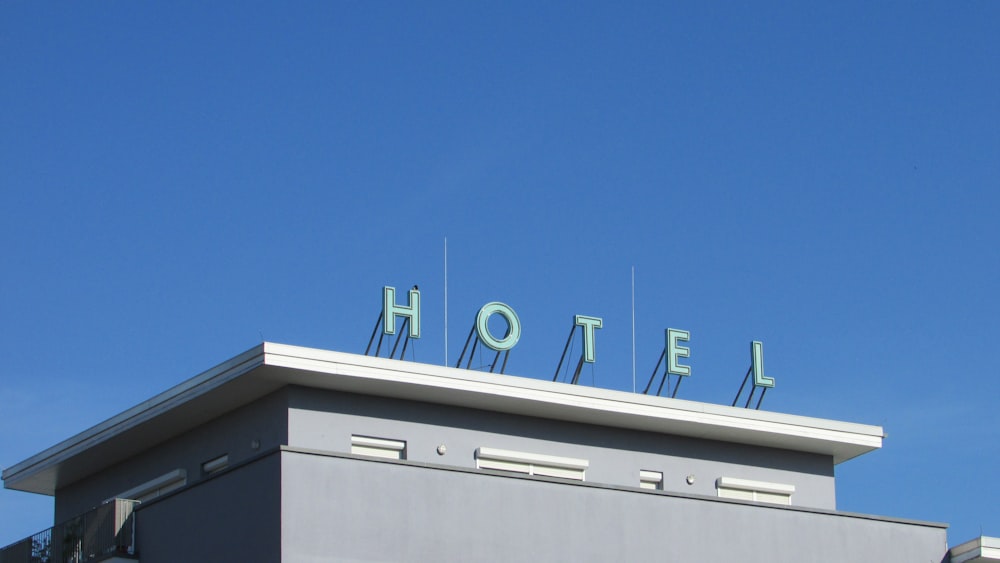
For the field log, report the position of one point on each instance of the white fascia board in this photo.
(506, 393)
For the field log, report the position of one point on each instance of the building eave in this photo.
(268, 367)
(979, 550)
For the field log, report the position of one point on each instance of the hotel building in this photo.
(293, 454)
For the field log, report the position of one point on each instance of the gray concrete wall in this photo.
(264, 420)
(325, 420)
(348, 509)
(233, 516)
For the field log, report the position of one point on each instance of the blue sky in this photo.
(181, 180)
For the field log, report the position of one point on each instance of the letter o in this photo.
(513, 326)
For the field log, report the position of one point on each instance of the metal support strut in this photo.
(753, 391)
(579, 364)
(403, 329)
(664, 381)
(474, 338)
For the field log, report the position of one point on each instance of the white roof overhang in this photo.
(268, 367)
(979, 550)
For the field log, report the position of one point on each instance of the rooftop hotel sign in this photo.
(674, 349)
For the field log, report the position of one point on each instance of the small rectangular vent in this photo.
(532, 464)
(650, 480)
(215, 465)
(759, 491)
(378, 447)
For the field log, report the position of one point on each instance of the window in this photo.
(532, 464)
(650, 480)
(215, 465)
(378, 447)
(760, 491)
(156, 487)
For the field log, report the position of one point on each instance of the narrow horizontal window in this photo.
(378, 447)
(215, 465)
(759, 491)
(532, 464)
(156, 487)
(650, 480)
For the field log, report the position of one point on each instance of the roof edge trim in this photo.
(148, 409)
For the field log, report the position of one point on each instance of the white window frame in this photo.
(378, 447)
(757, 491)
(532, 464)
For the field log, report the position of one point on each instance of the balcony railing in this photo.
(104, 532)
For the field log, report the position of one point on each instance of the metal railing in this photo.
(98, 534)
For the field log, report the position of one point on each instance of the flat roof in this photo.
(979, 550)
(268, 367)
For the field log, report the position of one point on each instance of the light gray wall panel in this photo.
(343, 509)
(325, 420)
(235, 516)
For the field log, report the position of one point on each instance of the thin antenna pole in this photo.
(633, 329)
(445, 300)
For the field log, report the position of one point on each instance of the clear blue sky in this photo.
(180, 180)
